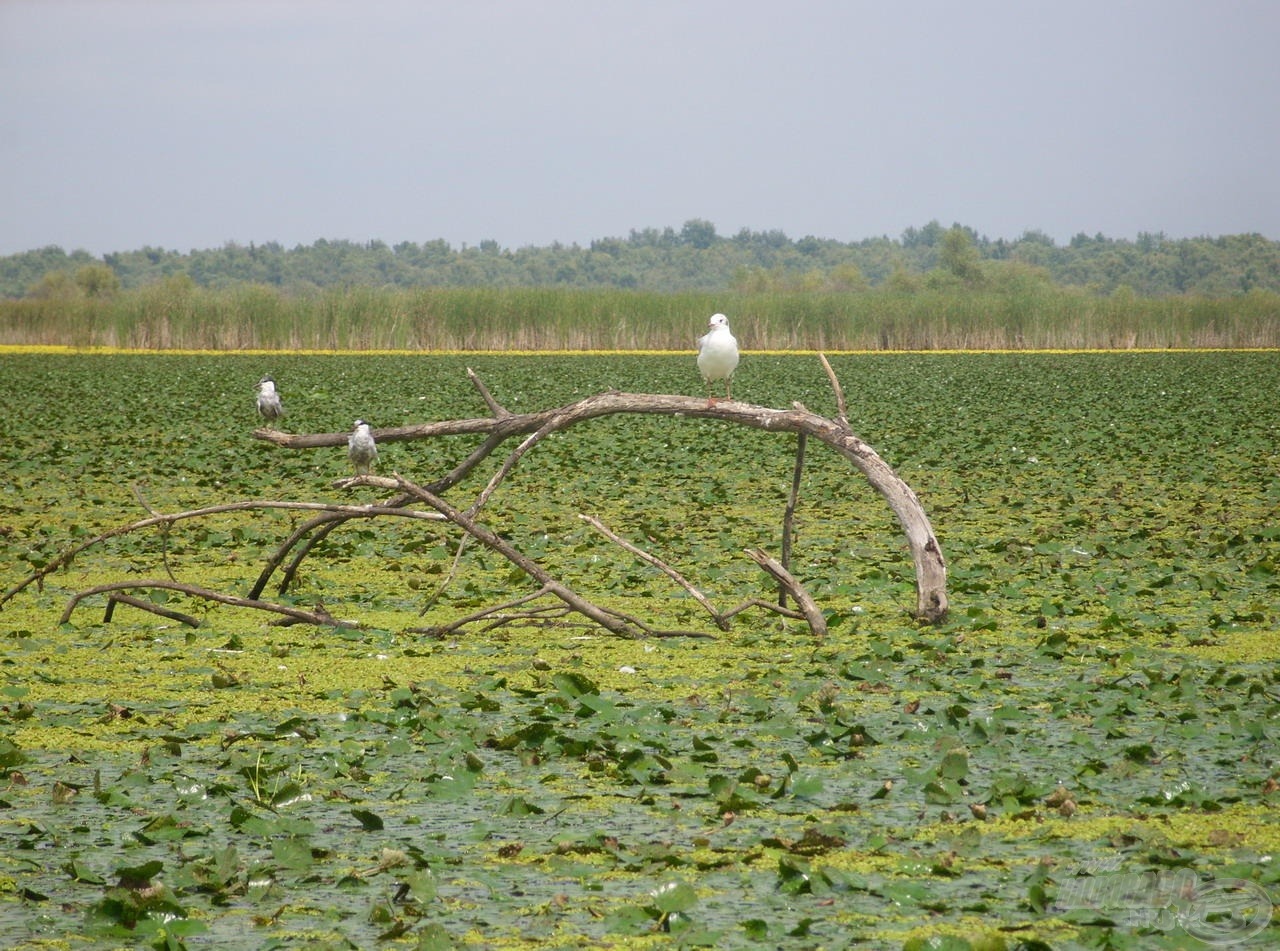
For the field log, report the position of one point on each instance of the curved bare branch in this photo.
(345, 511)
(319, 618)
(926, 553)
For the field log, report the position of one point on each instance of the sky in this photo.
(190, 124)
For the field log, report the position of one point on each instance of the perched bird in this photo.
(269, 405)
(361, 449)
(718, 356)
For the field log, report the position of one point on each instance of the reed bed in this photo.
(181, 316)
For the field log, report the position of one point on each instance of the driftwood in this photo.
(926, 554)
(501, 426)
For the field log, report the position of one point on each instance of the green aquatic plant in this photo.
(1095, 720)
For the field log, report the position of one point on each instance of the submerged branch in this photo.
(138, 603)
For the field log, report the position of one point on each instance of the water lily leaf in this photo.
(533, 735)
(421, 885)
(292, 853)
(795, 876)
(630, 920)
(574, 685)
(452, 786)
(164, 829)
(905, 892)
(938, 942)
(807, 786)
(673, 897)
(369, 821)
(82, 873)
(138, 876)
(10, 755)
(802, 928)
(251, 823)
(757, 929)
(1140, 753)
(954, 765)
(519, 806)
(942, 791)
(288, 794)
(222, 679)
(435, 937)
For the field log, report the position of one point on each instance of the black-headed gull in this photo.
(269, 405)
(718, 356)
(361, 449)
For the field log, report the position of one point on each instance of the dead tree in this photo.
(501, 426)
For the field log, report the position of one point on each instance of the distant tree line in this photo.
(693, 258)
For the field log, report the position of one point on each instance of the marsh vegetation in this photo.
(1101, 706)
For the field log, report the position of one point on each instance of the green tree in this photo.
(847, 277)
(97, 280)
(959, 257)
(925, 237)
(55, 285)
(698, 233)
(902, 281)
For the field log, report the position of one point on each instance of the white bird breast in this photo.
(718, 353)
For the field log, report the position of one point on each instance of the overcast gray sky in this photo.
(191, 123)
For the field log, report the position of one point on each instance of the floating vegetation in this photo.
(1082, 755)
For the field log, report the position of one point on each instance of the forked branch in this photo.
(930, 567)
(926, 554)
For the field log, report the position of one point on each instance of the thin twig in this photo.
(453, 571)
(768, 606)
(660, 565)
(463, 469)
(440, 630)
(164, 533)
(495, 542)
(495, 407)
(842, 411)
(510, 463)
(310, 534)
